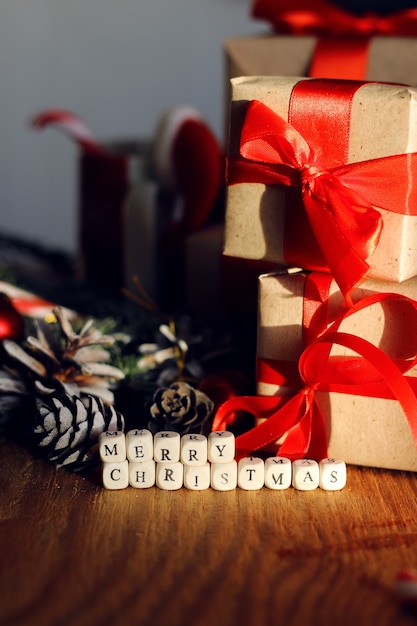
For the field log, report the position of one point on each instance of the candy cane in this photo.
(72, 125)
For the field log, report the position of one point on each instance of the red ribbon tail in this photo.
(282, 419)
(308, 438)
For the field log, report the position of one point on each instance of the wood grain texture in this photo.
(74, 553)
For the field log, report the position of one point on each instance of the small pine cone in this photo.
(67, 428)
(181, 408)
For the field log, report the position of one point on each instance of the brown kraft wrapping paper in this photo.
(367, 431)
(383, 123)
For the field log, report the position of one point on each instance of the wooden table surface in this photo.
(73, 553)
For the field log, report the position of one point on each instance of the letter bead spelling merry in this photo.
(221, 446)
(139, 445)
(194, 449)
(166, 446)
(112, 446)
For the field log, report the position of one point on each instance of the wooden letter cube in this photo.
(169, 476)
(197, 477)
(332, 474)
(139, 445)
(221, 446)
(166, 446)
(251, 473)
(142, 475)
(194, 449)
(115, 475)
(224, 476)
(278, 472)
(305, 474)
(112, 446)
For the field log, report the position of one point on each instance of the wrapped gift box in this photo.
(328, 39)
(371, 431)
(261, 220)
(124, 218)
(389, 59)
(382, 58)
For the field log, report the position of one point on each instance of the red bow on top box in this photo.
(333, 380)
(318, 39)
(330, 18)
(322, 176)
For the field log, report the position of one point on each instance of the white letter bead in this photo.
(169, 476)
(251, 473)
(139, 445)
(112, 446)
(221, 446)
(142, 475)
(115, 475)
(305, 474)
(278, 472)
(194, 449)
(332, 474)
(166, 446)
(197, 477)
(224, 476)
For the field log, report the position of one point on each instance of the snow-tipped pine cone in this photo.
(66, 429)
(59, 360)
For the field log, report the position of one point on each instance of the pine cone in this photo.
(66, 429)
(181, 408)
(63, 361)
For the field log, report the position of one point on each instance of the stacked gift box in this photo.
(324, 38)
(321, 182)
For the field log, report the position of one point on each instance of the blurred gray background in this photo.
(119, 66)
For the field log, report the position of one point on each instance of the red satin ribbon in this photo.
(374, 373)
(340, 57)
(318, 17)
(339, 201)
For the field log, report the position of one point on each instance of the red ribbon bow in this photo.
(374, 373)
(318, 17)
(339, 202)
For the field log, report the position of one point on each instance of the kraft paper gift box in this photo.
(328, 39)
(337, 43)
(266, 221)
(371, 431)
(390, 59)
(124, 216)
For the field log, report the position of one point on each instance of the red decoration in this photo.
(11, 322)
(72, 125)
(372, 374)
(320, 17)
(405, 586)
(337, 201)
(188, 159)
(342, 48)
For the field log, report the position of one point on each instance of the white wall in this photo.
(116, 63)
